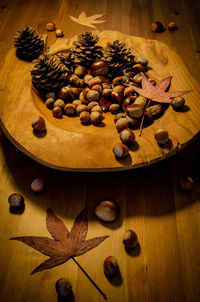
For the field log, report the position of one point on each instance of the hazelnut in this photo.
(114, 108)
(37, 185)
(81, 108)
(130, 239)
(49, 103)
(59, 33)
(161, 136)
(178, 103)
(117, 97)
(92, 104)
(80, 71)
(121, 124)
(119, 80)
(110, 265)
(107, 210)
(128, 91)
(140, 100)
(92, 95)
(63, 287)
(131, 121)
(97, 108)
(120, 150)
(87, 78)
(172, 25)
(16, 200)
(96, 117)
(57, 112)
(83, 98)
(127, 137)
(105, 104)
(84, 117)
(106, 85)
(142, 61)
(187, 184)
(94, 81)
(155, 110)
(76, 102)
(50, 95)
(119, 89)
(106, 93)
(59, 103)
(50, 26)
(38, 124)
(97, 88)
(70, 109)
(118, 116)
(135, 111)
(157, 27)
(99, 67)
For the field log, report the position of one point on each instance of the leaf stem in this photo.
(142, 121)
(95, 285)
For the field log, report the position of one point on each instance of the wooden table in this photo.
(166, 219)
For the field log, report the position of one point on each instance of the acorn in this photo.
(161, 136)
(157, 27)
(16, 200)
(178, 102)
(187, 184)
(127, 137)
(120, 150)
(130, 239)
(63, 287)
(99, 67)
(110, 265)
(107, 210)
(38, 124)
(37, 185)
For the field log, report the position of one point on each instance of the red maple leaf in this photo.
(157, 93)
(65, 244)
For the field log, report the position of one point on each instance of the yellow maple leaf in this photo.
(88, 21)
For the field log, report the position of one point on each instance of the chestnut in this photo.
(135, 111)
(178, 102)
(172, 26)
(97, 88)
(59, 33)
(99, 67)
(117, 97)
(105, 104)
(37, 185)
(119, 80)
(155, 110)
(92, 104)
(81, 108)
(157, 27)
(94, 81)
(50, 26)
(187, 184)
(63, 287)
(84, 117)
(38, 124)
(121, 124)
(110, 265)
(127, 137)
(106, 93)
(80, 71)
(87, 78)
(161, 136)
(70, 109)
(57, 112)
(107, 210)
(93, 95)
(16, 200)
(119, 89)
(130, 239)
(96, 117)
(120, 150)
(59, 103)
(114, 108)
(49, 103)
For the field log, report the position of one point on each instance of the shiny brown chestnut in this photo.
(99, 67)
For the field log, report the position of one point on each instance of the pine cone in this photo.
(28, 44)
(67, 59)
(48, 74)
(119, 58)
(86, 51)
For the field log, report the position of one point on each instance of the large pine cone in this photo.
(87, 51)
(28, 44)
(48, 74)
(119, 57)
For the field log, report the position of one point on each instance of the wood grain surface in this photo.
(166, 266)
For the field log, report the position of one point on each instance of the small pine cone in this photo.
(28, 44)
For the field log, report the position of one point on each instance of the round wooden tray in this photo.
(68, 145)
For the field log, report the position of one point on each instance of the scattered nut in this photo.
(106, 93)
(161, 136)
(131, 121)
(187, 184)
(172, 25)
(120, 150)
(117, 97)
(118, 116)
(16, 200)
(50, 26)
(142, 61)
(59, 33)
(59, 103)
(96, 117)
(76, 102)
(130, 239)
(107, 210)
(94, 81)
(87, 78)
(119, 89)
(127, 137)
(138, 68)
(82, 97)
(93, 95)
(37, 185)
(97, 88)
(73, 80)
(100, 67)
(49, 103)
(81, 108)
(129, 91)
(97, 108)
(38, 124)
(63, 287)
(105, 104)
(110, 265)
(178, 103)
(127, 101)
(140, 100)
(135, 111)
(157, 27)
(84, 117)
(114, 108)
(155, 110)
(119, 80)
(70, 109)
(57, 112)
(121, 124)
(50, 95)
(80, 71)
(92, 104)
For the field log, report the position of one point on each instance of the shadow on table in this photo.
(148, 191)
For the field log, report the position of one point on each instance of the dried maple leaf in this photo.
(157, 93)
(65, 244)
(88, 21)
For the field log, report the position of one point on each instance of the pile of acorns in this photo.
(90, 93)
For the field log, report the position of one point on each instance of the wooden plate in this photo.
(68, 145)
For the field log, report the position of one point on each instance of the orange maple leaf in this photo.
(88, 21)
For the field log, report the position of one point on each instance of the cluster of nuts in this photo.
(50, 26)
(157, 26)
